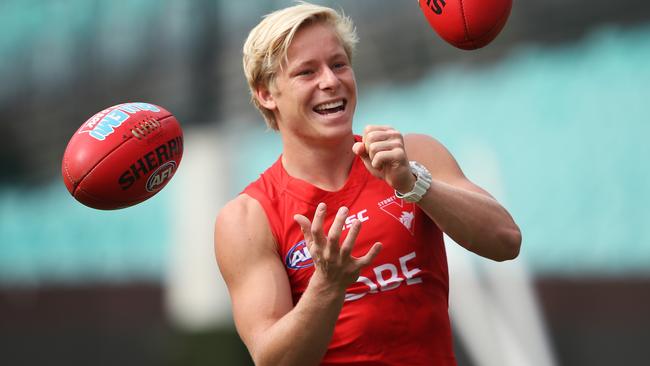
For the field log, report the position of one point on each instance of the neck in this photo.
(326, 166)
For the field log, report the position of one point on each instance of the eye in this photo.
(305, 72)
(339, 65)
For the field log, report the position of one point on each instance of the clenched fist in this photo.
(382, 151)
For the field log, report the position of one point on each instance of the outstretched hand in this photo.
(382, 151)
(334, 261)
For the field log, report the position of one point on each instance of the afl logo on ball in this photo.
(160, 176)
(298, 256)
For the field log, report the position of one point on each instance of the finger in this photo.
(392, 158)
(371, 128)
(317, 223)
(348, 243)
(371, 134)
(383, 140)
(331, 247)
(378, 133)
(370, 256)
(334, 234)
(385, 145)
(305, 226)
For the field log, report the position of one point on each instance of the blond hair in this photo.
(268, 43)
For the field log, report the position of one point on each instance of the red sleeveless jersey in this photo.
(396, 312)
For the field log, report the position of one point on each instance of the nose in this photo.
(328, 79)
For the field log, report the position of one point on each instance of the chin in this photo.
(333, 124)
(332, 131)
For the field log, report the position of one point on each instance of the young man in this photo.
(308, 285)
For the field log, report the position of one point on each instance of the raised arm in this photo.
(276, 332)
(463, 210)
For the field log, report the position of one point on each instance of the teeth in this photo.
(331, 105)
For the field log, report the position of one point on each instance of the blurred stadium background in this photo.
(552, 118)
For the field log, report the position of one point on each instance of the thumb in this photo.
(370, 256)
(359, 148)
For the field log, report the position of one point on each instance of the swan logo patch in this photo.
(400, 210)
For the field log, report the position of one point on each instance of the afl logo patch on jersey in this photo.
(298, 256)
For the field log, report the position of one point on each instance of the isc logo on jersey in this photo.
(361, 216)
(298, 256)
(105, 122)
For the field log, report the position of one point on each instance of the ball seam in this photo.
(474, 42)
(98, 163)
(462, 13)
(110, 202)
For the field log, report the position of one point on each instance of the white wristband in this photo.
(422, 183)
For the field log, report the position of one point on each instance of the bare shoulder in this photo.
(433, 154)
(438, 160)
(243, 209)
(242, 235)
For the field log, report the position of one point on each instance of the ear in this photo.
(265, 98)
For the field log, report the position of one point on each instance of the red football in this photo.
(467, 24)
(122, 155)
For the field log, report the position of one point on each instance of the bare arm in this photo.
(463, 210)
(276, 332)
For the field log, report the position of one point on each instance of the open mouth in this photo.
(331, 107)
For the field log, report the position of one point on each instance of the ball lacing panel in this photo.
(145, 128)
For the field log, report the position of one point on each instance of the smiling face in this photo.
(313, 95)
